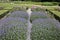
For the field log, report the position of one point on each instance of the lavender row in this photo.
(13, 28)
(44, 29)
(36, 15)
(36, 8)
(20, 14)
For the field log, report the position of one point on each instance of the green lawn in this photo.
(7, 5)
(36, 3)
(57, 13)
(10, 5)
(53, 10)
(3, 11)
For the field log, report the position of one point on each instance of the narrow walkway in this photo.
(29, 24)
(29, 30)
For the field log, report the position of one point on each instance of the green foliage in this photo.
(3, 11)
(56, 13)
(54, 10)
(49, 3)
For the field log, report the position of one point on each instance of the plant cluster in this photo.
(20, 14)
(13, 29)
(36, 15)
(44, 29)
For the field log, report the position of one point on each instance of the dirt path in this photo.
(29, 24)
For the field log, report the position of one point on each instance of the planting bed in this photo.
(16, 27)
(13, 29)
(36, 15)
(44, 29)
(20, 14)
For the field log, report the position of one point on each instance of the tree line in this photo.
(35, 0)
(39, 0)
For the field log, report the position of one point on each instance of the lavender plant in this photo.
(44, 29)
(20, 8)
(13, 29)
(21, 14)
(37, 9)
(36, 15)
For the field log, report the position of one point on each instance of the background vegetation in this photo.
(34, 0)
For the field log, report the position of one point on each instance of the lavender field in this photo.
(18, 26)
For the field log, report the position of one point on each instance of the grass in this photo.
(53, 10)
(7, 5)
(57, 13)
(49, 3)
(3, 11)
(36, 3)
(10, 5)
